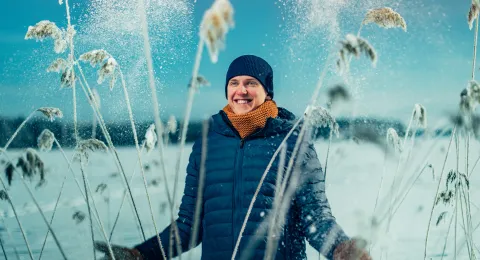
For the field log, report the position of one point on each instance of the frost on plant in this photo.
(420, 114)
(150, 138)
(172, 124)
(45, 140)
(108, 70)
(84, 147)
(46, 29)
(51, 112)
(95, 97)
(385, 17)
(353, 45)
(473, 13)
(95, 57)
(470, 97)
(215, 24)
(59, 65)
(317, 116)
(393, 140)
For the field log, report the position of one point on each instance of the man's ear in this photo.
(268, 98)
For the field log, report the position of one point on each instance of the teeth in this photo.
(242, 101)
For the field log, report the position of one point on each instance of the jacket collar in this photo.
(282, 123)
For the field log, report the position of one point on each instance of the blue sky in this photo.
(429, 64)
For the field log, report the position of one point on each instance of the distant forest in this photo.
(121, 132)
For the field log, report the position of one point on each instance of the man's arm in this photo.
(320, 227)
(150, 249)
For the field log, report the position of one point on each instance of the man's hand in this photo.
(120, 252)
(351, 250)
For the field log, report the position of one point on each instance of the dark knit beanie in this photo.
(253, 66)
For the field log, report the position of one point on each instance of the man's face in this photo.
(245, 94)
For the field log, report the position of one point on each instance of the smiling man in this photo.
(241, 140)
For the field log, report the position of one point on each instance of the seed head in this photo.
(51, 112)
(84, 147)
(59, 65)
(317, 116)
(45, 140)
(95, 57)
(101, 188)
(172, 124)
(78, 216)
(385, 17)
(66, 78)
(353, 45)
(9, 173)
(31, 164)
(46, 29)
(201, 81)
(3, 195)
(215, 24)
(473, 13)
(108, 70)
(393, 140)
(420, 114)
(150, 138)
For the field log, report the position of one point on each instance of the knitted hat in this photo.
(253, 66)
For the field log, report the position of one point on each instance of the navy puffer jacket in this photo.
(234, 167)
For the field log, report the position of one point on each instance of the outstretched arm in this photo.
(150, 249)
(320, 227)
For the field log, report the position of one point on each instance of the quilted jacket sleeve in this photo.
(150, 249)
(319, 225)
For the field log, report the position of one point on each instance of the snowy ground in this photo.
(353, 177)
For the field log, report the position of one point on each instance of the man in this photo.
(241, 141)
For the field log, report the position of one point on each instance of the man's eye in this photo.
(233, 83)
(252, 83)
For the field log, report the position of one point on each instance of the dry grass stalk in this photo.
(51, 112)
(46, 29)
(45, 140)
(53, 215)
(9, 199)
(216, 22)
(473, 13)
(354, 46)
(385, 17)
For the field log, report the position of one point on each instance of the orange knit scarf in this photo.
(250, 122)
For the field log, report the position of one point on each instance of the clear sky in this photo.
(429, 64)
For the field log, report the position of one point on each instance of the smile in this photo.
(243, 101)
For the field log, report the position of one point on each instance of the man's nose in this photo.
(242, 89)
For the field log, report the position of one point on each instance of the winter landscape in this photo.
(104, 99)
